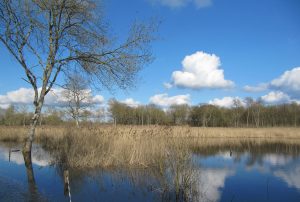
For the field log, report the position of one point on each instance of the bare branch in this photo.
(49, 37)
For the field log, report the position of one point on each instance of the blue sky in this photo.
(254, 41)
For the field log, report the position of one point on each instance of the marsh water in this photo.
(264, 172)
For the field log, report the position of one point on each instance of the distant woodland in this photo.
(251, 114)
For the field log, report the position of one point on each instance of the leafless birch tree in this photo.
(77, 96)
(47, 37)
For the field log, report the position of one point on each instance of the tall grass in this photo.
(137, 146)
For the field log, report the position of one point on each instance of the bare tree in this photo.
(23, 110)
(249, 101)
(256, 111)
(77, 96)
(206, 114)
(179, 114)
(237, 111)
(47, 37)
(99, 114)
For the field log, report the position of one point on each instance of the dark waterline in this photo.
(268, 172)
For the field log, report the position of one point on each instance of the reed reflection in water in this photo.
(212, 171)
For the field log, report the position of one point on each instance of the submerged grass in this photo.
(143, 146)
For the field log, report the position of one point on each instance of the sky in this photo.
(208, 51)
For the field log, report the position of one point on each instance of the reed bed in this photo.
(144, 146)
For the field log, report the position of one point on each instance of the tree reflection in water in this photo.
(32, 188)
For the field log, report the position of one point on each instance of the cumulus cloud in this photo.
(201, 70)
(165, 101)
(20, 96)
(276, 97)
(182, 3)
(259, 88)
(53, 98)
(289, 81)
(226, 102)
(131, 102)
(168, 85)
(98, 99)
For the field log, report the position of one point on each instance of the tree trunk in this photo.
(248, 113)
(24, 121)
(77, 122)
(41, 120)
(28, 142)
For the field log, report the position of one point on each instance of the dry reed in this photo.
(132, 146)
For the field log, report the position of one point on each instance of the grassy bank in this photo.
(136, 146)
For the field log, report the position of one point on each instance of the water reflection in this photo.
(17, 190)
(247, 171)
(211, 182)
(13, 153)
(291, 176)
(32, 189)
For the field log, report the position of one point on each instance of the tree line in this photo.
(250, 114)
(20, 115)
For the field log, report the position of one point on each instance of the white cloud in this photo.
(226, 102)
(182, 3)
(165, 101)
(168, 85)
(54, 97)
(258, 88)
(276, 97)
(98, 99)
(20, 96)
(131, 102)
(289, 81)
(201, 70)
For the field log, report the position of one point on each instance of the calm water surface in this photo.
(269, 172)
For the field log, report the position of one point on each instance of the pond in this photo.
(264, 172)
